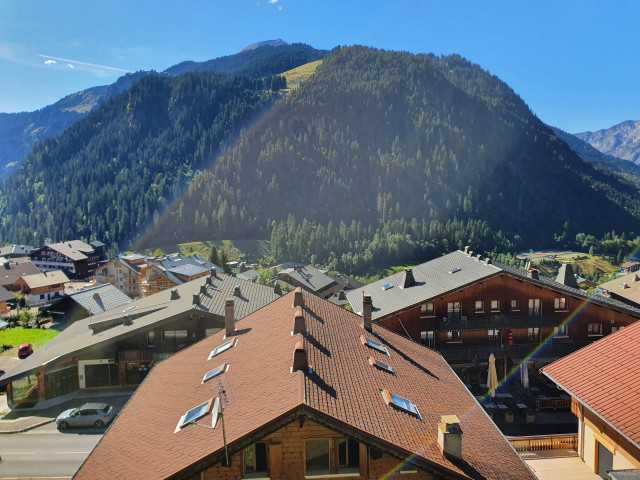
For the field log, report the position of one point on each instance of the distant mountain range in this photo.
(377, 156)
(621, 140)
(20, 131)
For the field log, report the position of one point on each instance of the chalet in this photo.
(625, 289)
(250, 275)
(16, 251)
(309, 278)
(301, 390)
(5, 296)
(78, 259)
(468, 307)
(12, 270)
(42, 288)
(117, 348)
(167, 272)
(631, 266)
(124, 272)
(91, 301)
(602, 380)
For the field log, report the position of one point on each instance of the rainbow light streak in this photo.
(576, 312)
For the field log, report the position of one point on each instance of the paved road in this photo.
(46, 453)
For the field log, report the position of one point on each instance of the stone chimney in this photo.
(196, 298)
(229, 321)
(367, 310)
(450, 436)
(174, 294)
(298, 299)
(277, 289)
(300, 361)
(299, 324)
(408, 279)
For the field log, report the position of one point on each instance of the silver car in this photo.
(88, 415)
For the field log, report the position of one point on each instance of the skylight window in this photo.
(212, 373)
(373, 344)
(387, 286)
(222, 348)
(195, 413)
(400, 402)
(454, 270)
(381, 365)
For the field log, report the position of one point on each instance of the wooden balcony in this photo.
(545, 442)
(474, 354)
(499, 322)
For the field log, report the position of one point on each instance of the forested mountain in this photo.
(621, 140)
(255, 61)
(20, 131)
(109, 175)
(380, 156)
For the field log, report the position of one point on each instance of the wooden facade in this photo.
(289, 453)
(509, 317)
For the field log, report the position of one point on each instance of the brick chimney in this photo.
(298, 299)
(300, 361)
(408, 279)
(367, 310)
(229, 321)
(450, 436)
(299, 324)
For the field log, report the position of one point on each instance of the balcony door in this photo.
(605, 460)
(534, 306)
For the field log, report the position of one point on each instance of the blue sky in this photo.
(573, 62)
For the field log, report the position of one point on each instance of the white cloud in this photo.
(50, 62)
(279, 8)
(69, 65)
(87, 66)
(273, 2)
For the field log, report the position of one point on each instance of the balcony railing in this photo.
(474, 354)
(499, 322)
(544, 442)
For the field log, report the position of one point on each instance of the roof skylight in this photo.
(195, 413)
(212, 373)
(373, 344)
(381, 365)
(221, 348)
(387, 286)
(400, 402)
(454, 270)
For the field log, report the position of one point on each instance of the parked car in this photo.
(88, 415)
(25, 350)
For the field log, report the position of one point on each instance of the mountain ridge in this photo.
(621, 140)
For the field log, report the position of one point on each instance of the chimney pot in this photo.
(174, 294)
(471, 252)
(300, 361)
(367, 310)
(196, 298)
(467, 249)
(450, 436)
(298, 299)
(480, 257)
(229, 321)
(299, 324)
(488, 261)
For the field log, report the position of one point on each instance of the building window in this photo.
(427, 309)
(495, 305)
(454, 336)
(427, 338)
(533, 333)
(534, 306)
(594, 329)
(494, 334)
(151, 337)
(400, 402)
(373, 344)
(479, 306)
(255, 458)
(561, 331)
(615, 329)
(560, 303)
(453, 310)
(175, 334)
(515, 305)
(317, 457)
(348, 456)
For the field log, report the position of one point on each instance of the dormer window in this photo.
(373, 344)
(221, 348)
(400, 402)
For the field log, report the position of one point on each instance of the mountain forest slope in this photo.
(379, 156)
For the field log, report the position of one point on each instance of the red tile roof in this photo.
(605, 377)
(344, 389)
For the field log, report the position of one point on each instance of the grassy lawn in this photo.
(15, 336)
(297, 75)
(375, 274)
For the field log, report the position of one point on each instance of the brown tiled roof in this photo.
(11, 271)
(45, 278)
(604, 376)
(344, 389)
(73, 249)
